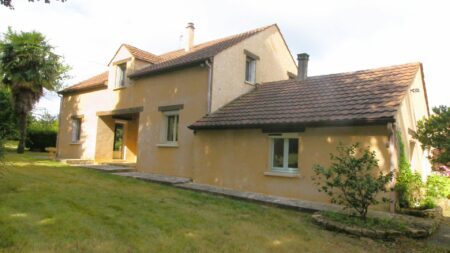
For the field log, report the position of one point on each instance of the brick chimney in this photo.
(302, 72)
(189, 37)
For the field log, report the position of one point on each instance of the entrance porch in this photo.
(117, 136)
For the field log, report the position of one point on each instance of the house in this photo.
(238, 113)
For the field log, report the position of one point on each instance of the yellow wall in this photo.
(238, 159)
(412, 109)
(187, 87)
(229, 66)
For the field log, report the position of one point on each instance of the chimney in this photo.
(302, 72)
(189, 37)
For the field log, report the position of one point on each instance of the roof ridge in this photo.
(199, 53)
(256, 30)
(149, 57)
(352, 72)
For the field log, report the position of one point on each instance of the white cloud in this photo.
(339, 35)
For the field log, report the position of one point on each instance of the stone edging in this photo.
(427, 213)
(388, 234)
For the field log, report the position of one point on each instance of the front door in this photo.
(118, 141)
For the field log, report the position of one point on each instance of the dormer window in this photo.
(250, 67)
(250, 70)
(120, 75)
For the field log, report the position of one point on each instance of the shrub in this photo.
(39, 139)
(351, 180)
(409, 186)
(438, 187)
(412, 192)
(434, 131)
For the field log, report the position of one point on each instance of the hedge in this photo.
(39, 139)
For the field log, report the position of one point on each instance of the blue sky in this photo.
(339, 35)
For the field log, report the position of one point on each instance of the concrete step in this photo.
(162, 179)
(108, 168)
(77, 161)
(122, 164)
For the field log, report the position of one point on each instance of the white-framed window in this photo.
(250, 69)
(284, 154)
(120, 75)
(171, 126)
(76, 130)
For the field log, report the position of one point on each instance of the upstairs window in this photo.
(76, 130)
(120, 75)
(284, 155)
(250, 70)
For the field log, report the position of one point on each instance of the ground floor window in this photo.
(171, 133)
(76, 130)
(284, 154)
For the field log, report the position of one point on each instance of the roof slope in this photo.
(173, 59)
(198, 53)
(355, 97)
(98, 81)
(142, 54)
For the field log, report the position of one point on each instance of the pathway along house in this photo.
(238, 113)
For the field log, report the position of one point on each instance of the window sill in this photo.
(75, 143)
(167, 145)
(119, 88)
(279, 174)
(250, 83)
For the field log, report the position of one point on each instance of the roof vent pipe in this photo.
(302, 72)
(189, 37)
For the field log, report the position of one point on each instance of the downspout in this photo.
(209, 63)
(392, 162)
(61, 97)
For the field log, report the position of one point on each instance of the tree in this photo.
(8, 122)
(8, 3)
(28, 65)
(351, 180)
(434, 133)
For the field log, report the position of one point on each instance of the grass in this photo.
(46, 206)
(370, 222)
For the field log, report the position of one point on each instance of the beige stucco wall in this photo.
(184, 86)
(229, 66)
(238, 158)
(187, 87)
(412, 109)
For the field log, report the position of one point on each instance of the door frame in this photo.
(124, 137)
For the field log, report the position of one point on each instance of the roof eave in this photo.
(300, 125)
(90, 88)
(143, 74)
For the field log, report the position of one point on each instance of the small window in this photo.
(284, 155)
(250, 70)
(76, 130)
(120, 75)
(171, 133)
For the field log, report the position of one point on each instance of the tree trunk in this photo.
(22, 132)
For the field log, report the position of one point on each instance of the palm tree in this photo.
(28, 65)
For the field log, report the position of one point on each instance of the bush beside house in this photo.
(350, 180)
(414, 196)
(42, 132)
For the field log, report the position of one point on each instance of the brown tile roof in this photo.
(198, 53)
(98, 81)
(347, 98)
(142, 54)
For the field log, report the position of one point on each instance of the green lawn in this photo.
(49, 207)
